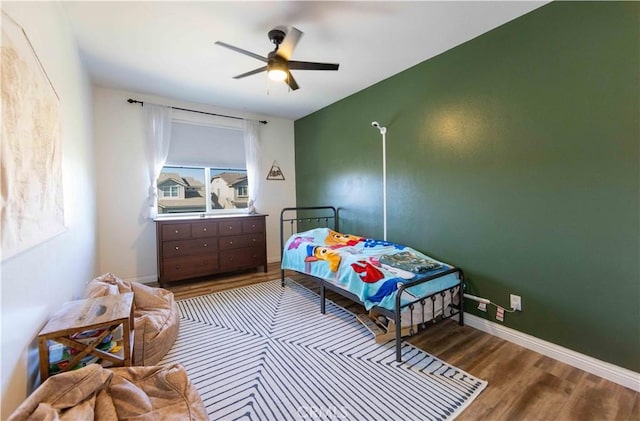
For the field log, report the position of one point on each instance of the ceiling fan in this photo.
(278, 64)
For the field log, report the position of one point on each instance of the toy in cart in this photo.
(60, 356)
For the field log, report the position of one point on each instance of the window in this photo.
(170, 191)
(205, 171)
(226, 184)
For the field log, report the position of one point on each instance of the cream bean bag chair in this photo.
(156, 318)
(123, 393)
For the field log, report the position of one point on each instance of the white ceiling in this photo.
(166, 48)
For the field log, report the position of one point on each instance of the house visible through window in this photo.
(205, 171)
(230, 189)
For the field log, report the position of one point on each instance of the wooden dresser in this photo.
(195, 247)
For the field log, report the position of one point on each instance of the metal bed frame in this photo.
(307, 217)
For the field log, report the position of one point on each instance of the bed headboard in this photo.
(303, 218)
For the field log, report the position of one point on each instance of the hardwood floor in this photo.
(523, 384)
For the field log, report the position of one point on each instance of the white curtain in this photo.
(158, 139)
(252, 153)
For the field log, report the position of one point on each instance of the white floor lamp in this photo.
(383, 132)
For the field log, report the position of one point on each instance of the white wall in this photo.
(35, 282)
(127, 241)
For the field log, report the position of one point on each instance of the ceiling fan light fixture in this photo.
(277, 71)
(278, 75)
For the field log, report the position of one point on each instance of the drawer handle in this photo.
(204, 229)
(177, 247)
(253, 226)
(177, 231)
(177, 266)
(204, 245)
(230, 228)
(230, 242)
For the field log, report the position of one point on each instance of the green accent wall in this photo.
(514, 156)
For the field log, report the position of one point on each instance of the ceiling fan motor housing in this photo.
(276, 36)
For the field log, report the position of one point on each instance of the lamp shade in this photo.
(277, 69)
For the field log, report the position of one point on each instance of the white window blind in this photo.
(206, 146)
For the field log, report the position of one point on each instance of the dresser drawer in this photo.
(204, 229)
(241, 258)
(230, 227)
(239, 241)
(189, 247)
(176, 231)
(253, 225)
(175, 268)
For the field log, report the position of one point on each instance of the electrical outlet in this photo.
(516, 302)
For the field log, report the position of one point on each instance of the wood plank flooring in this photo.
(523, 384)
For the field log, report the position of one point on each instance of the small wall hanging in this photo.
(275, 173)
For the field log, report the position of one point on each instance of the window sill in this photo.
(226, 214)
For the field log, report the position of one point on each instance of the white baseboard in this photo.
(619, 375)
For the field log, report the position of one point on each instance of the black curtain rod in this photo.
(135, 101)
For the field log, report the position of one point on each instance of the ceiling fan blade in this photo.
(307, 65)
(289, 43)
(252, 72)
(291, 82)
(241, 51)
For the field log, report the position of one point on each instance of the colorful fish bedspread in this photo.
(370, 269)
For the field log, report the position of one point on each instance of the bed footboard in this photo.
(423, 302)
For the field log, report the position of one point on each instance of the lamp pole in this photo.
(383, 131)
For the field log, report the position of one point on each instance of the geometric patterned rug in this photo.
(264, 352)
